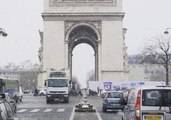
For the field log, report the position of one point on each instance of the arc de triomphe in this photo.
(98, 23)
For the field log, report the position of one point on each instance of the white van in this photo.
(148, 103)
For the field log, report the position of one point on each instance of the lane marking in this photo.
(72, 114)
(47, 110)
(35, 110)
(98, 115)
(61, 110)
(22, 110)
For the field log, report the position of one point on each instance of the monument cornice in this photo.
(111, 16)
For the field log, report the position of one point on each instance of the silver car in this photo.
(148, 103)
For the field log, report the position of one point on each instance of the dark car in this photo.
(6, 112)
(73, 92)
(92, 92)
(113, 100)
(12, 102)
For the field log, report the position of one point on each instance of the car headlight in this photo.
(48, 95)
(65, 95)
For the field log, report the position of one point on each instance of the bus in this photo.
(12, 87)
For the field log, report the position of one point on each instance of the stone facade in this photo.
(98, 23)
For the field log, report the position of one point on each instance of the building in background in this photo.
(143, 68)
(26, 73)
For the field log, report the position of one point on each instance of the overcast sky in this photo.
(22, 19)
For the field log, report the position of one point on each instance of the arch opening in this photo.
(79, 35)
(82, 68)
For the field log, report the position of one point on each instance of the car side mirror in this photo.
(2, 96)
(102, 96)
(123, 101)
(12, 101)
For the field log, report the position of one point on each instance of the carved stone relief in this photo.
(95, 24)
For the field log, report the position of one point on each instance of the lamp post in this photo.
(166, 31)
(2, 32)
(167, 60)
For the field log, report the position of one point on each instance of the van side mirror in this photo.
(45, 82)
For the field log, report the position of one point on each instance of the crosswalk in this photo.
(36, 110)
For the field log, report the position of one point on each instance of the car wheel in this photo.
(66, 100)
(48, 101)
(104, 109)
(21, 99)
(15, 98)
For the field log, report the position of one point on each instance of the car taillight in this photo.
(137, 105)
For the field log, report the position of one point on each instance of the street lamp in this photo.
(167, 59)
(2, 32)
(166, 31)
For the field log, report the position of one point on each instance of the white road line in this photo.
(35, 110)
(22, 110)
(47, 110)
(72, 114)
(98, 115)
(61, 110)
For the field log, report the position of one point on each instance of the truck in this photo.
(57, 86)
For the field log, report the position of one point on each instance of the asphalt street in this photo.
(36, 108)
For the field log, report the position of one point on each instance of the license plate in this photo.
(153, 117)
(114, 104)
(56, 99)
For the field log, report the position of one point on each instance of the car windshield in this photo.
(57, 83)
(115, 95)
(156, 97)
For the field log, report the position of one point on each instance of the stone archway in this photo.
(100, 23)
(82, 33)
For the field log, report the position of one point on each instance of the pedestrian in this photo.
(35, 92)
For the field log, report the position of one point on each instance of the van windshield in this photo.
(57, 83)
(156, 97)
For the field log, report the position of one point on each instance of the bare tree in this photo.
(91, 76)
(28, 79)
(159, 48)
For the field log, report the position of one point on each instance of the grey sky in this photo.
(145, 19)
(22, 20)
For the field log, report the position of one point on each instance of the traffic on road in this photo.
(141, 103)
(138, 102)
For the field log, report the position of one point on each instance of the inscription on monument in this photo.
(55, 1)
(79, 2)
